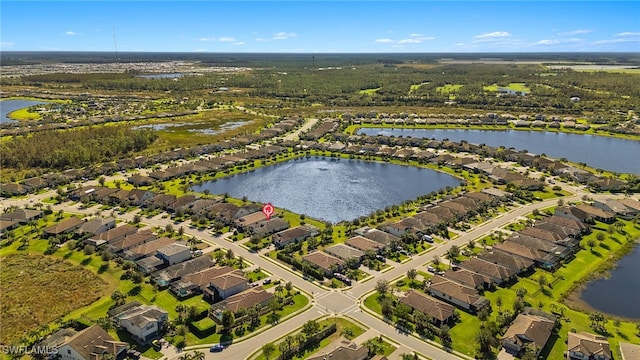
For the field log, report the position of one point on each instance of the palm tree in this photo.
(197, 355)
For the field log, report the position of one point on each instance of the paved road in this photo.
(323, 301)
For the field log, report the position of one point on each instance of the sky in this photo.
(321, 26)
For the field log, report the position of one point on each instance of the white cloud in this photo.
(575, 32)
(626, 34)
(283, 35)
(71, 33)
(494, 36)
(238, 43)
(617, 40)
(226, 39)
(384, 41)
(557, 41)
(6, 45)
(207, 39)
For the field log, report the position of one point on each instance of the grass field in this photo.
(32, 281)
(449, 88)
(512, 86)
(23, 114)
(368, 91)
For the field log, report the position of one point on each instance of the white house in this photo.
(174, 253)
(89, 344)
(143, 322)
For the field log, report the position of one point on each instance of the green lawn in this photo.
(341, 324)
(512, 86)
(449, 88)
(368, 91)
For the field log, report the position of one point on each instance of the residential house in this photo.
(111, 235)
(267, 227)
(439, 311)
(6, 225)
(223, 212)
(380, 236)
(363, 244)
(143, 322)
(617, 207)
(198, 282)
(244, 300)
(64, 227)
(329, 264)
(497, 273)
(469, 278)
(293, 235)
(528, 330)
(139, 197)
(92, 343)
(150, 264)
(174, 253)
(182, 203)
(547, 247)
(131, 241)
(595, 213)
(244, 222)
(21, 216)
(226, 285)
(542, 259)
(342, 349)
(344, 252)
(585, 346)
(145, 249)
(161, 201)
(510, 261)
(175, 272)
(583, 228)
(96, 226)
(457, 294)
(13, 189)
(140, 180)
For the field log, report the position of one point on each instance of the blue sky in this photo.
(321, 26)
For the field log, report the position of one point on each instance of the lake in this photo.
(332, 189)
(620, 293)
(11, 105)
(619, 155)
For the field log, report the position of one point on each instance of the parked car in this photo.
(216, 348)
(266, 282)
(431, 269)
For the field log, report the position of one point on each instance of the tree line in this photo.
(73, 148)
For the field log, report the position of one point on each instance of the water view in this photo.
(9, 106)
(332, 189)
(601, 152)
(619, 294)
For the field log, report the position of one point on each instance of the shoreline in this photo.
(573, 297)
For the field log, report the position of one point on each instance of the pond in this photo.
(620, 293)
(619, 155)
(11, 105)
(332, 189)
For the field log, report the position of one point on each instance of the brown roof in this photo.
(380, 236)
(151, 246)
(562, 221)
(508, 260)
(458, 291)
(588, 344)
(116, 233)
(251, 219)
(541, 234)
(527, 328)
(204, 277)
(342, 349)
(247, 299)
(132, 240)
(323, 260)
(519, 249)
(594, 211)
(228, 280)
(293, 233)
(488, 268)
(92, 342)
(64, 225)
(468, 277)
(364, 244)
(428, 305)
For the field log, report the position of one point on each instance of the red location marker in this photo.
(268, 210)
